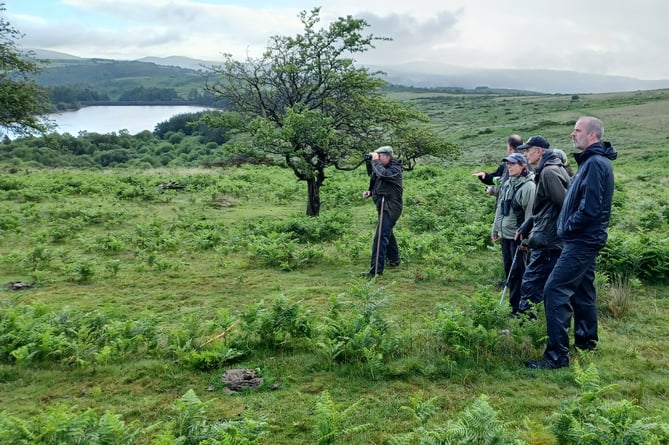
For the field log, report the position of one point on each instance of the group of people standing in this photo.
(562, 221)
(551, 225)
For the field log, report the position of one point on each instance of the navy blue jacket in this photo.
(586, 211)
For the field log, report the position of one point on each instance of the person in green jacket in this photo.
(514, 207)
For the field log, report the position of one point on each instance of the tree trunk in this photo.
(314, 192)
(314, 197)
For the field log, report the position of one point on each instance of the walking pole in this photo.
(378, 237)
(506, 283)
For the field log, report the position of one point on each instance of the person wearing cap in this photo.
(512, 143)
(514, 207)
(582, 225)
(539, 232)
(385, 188)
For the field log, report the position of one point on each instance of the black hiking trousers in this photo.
(570, 289)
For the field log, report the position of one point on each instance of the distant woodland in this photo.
(72, 84)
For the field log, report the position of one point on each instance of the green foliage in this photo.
(64, 426)
(462, 335)
(591, 419)
(33, 334)
(332, 421)
(190, 426)
(278, 250)
(112, 79)
(65, 97)
(146, 327)
(22, 101)
(477, 424)
(356, 331)
(283, 325)
(313, 108)
(645, 256)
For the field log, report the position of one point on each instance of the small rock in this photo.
(240, 379)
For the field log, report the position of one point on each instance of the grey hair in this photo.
(594, 124)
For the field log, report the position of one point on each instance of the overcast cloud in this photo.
(601, 37)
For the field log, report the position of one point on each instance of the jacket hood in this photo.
(548, 158)
(598, 148)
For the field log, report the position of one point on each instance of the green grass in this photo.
(111, 243)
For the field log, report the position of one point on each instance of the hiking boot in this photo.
(394, 263)
(547, 363)
(589, 346)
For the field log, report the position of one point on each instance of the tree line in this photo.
(73, 97)
(185, 140)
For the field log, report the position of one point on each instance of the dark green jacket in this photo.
(387, 182)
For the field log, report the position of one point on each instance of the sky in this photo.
(609, 37)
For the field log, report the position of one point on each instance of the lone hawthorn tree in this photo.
(305, 101)
(22, 101)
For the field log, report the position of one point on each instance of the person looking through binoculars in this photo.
(385, 188)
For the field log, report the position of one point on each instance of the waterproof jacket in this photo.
(514, 205)
(587, 208)
(386, 181)
(552, 180)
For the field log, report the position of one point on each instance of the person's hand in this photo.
(366, 194)
(480, 175)
(494, 237)
(518, 236)
(374, 156)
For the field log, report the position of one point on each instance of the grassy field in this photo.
(141, 294)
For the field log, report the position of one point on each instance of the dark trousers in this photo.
(571, 289)
(542, 262)
(513, 270)
(388, 248)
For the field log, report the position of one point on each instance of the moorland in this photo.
(138, 297)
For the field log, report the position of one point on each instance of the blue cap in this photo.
(516, 158)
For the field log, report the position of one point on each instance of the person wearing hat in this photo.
(539, 232)
(385, 188)
(514, 207)
(535, 141)
(512, 143)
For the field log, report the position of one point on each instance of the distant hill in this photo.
(116, 77)
(46, 54)
(546, 81)
(70, 69)
(179, 61)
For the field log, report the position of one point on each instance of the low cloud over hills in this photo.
(545, 81)
(429, 75)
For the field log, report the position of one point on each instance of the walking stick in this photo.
(378, 237)
(506, 283)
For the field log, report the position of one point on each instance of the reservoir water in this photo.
(108, 119)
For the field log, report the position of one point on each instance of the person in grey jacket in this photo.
(583, 228)
(514, 207)
(539, 232)
(385, 188)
